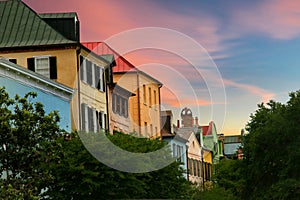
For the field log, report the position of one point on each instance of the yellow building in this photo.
(48, 44)
(144, 107)
(207, 167)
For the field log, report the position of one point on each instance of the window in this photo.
(119, 105)
(150, 97)
(178, 153)
(92, 74)
(46, 66)
(145, 127)
(199, 169)
(190, 162)
(126, 108)
(195, 167)
(174, 150)
(154, 97)
(144, 93)
(91, 119)
(102, 120)
(113, 102)
(151, 129)
(89, 72)
(84, 118)
(208, 172)
(12, 60)
(123, 106)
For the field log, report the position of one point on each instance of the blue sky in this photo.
(254, 44)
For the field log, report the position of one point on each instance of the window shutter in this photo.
(89, 72)
(90, 119)
(97, 77)
(97, 121)
(83, 127)
(100, 120)
(30, 64)
(81, 68)
(104, 120)
(113, 103)
(13, 60)
(94, 124)
(103, 80)
(53, 68)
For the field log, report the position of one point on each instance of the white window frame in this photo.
(36, 58)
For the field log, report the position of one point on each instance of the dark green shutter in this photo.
(30, 64)
(13, 60)
(82, 117)
(81, 68)
(103, 81)
(105, 120)
(53, 68)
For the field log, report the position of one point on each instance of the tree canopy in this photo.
(80, 176)
(271, 151)
(27, 145)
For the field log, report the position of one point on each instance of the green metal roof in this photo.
(59, 15)
(20, 26)
(109, 58)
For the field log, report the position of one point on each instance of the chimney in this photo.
(196, 121)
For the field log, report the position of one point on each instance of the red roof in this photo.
(101, 48)
(207, 130)
(204, 130)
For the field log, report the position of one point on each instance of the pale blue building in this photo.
(53, 95)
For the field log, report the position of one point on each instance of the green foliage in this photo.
(228, 176)
(27, 145)
(216, 192)
(80, 176)
(271, 150)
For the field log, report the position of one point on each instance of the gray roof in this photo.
(20, 26)
(185, 133)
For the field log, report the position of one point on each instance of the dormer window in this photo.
(44, 65)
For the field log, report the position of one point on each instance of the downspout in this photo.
(202, 168)
(78, 86)
(107, 103)
(139, 106)
(187, 163)
(159, 107)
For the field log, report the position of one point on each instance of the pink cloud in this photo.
(102, 19)
(263, 94)
(278, 19)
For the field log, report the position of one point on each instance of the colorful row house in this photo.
(55, 96)
(48, 44)
(144, 93)
(204, 147)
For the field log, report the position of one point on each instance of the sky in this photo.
(236, 54)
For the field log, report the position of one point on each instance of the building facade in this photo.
(52, 95)
(119, 109)
(144, 107)
(44, 45)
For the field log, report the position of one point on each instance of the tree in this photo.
(80, 176)
(28, 145)
(271, 150)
